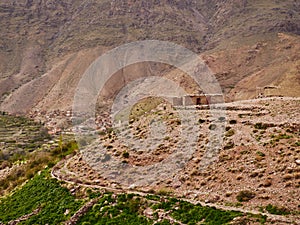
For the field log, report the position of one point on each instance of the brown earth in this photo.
(260, 154)
(46, 46)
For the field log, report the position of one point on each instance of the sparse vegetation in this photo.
(164, 191)
(260, 126)
(245, 196)
(123, 209)
(44, 49)
(212, 126)
(125, 155)
(29, 164)
(261, 154)
(201, 121)
(144, 106)
(277, 210)
(232, 122)
(19, 136)
(230, 133)
(229, 145)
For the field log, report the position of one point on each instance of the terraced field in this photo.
(19, 136)
(26, 148)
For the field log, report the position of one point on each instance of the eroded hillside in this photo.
(46, 46)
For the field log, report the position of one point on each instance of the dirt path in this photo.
(245, 106)
(271, 217)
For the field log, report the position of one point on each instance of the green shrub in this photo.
(125, 155)
(153, 197)
(164, 222)
(245, 196)
(232, 122)
(284, 136)
(201, 121)
(110, 130)
(229, 133)
(166, 205)
(229, 145)
(222, 118)
(277, 210)
(212, 126)
(227, 128)
(259, 153)
(261, 126)
(101, 133)
(65, 149)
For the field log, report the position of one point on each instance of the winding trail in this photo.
(274, 219)
(271, 217)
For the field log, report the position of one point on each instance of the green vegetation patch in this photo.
(261, 126)
(277, 210)
(41, 192)
(122, 209)
(193, 214)
(46, 194)
(128, 209)
(144, 106)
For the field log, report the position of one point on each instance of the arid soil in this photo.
(260, 155)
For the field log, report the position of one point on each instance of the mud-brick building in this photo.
(197, 99)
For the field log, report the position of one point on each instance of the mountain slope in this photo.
(46, 46)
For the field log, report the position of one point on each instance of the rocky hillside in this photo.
(46, 45)
(257, 165)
